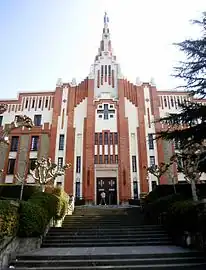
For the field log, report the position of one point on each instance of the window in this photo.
(135, 189)
(100, 160)
(177, 144)
(96, 138)
(116, 159)
(100, 138)
(109, 71)
(77, 190)
(1, 120)
(134, 164)
(60, 162)
(152, 160)
(111, 138)
(78, 164)
(111, 159)
(106, 160)
(150, 141)
(32, 164)
(115, 138)
(37, 120)
(172, 102)
(26, 104)
(106, 138)
(11, 166)
(165, 101)
(46, 102)
(100, 115)
(61, 142)
(95, 159)
(111, 116)
(59, 184)
(179, 164)
(33, 103)
(39, 103)
(34, 143)
(14, 143)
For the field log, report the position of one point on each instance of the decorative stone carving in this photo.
(74, 82)
(3, 107)
(46, 172)
(59, 82)
(138, 81)
(19, 121)
(152, 81)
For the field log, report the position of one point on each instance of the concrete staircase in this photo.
(109, 238)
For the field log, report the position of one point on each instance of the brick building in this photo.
(104, 126)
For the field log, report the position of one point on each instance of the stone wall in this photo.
(12, 247)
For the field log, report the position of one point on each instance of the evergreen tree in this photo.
(190, 122)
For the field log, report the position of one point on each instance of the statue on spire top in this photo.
(106, 18)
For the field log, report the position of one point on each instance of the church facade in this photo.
(103, 126)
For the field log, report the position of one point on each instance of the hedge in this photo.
(12, 191)
(154, 210)
(183, 189)
(33, 220)
(9, 219)
(183, 216)
(36, 213)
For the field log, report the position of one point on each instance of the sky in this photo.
(43, 40)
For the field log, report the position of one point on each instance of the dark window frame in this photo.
(61, 142)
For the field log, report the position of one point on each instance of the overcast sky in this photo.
(43, 40)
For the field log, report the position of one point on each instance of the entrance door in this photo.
(109, 186)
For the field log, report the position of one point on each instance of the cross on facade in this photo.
(106, 111)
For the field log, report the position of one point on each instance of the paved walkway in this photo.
(109, 250)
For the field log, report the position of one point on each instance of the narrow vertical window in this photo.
(1, 120)
(11, 166)
(61, 142)
(112, 78)
(33, 103)
(109, 71)
(39, 105)
(111, 138)
(78, 164)
(100, 159)
(102, 74)
(116, 159)
(105, 71)
(95, 159)
(106, 138)
(100, 138)
(150, 141)
(134, 164)
(60, 162)
(106, 160)
(115, 138)
(152, 160)
(111, 159)
(34, 143)
(46, 102)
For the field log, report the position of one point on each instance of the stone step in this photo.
(77, 231)
(99, 236)
(111, 256)
(102, 230)
(111, 262)
(107, 244)
(104, 239)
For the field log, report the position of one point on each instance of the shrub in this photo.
(13, 191)
(155, 209)
(183, 216)
(47, 201)
(9, 219)
(33, 220)
(183, 189)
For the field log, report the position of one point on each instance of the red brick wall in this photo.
(123, 145)
(88, 146)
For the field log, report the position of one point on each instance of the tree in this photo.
(46, 172)
(189, 158)
(159, 170)
(189, 125)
